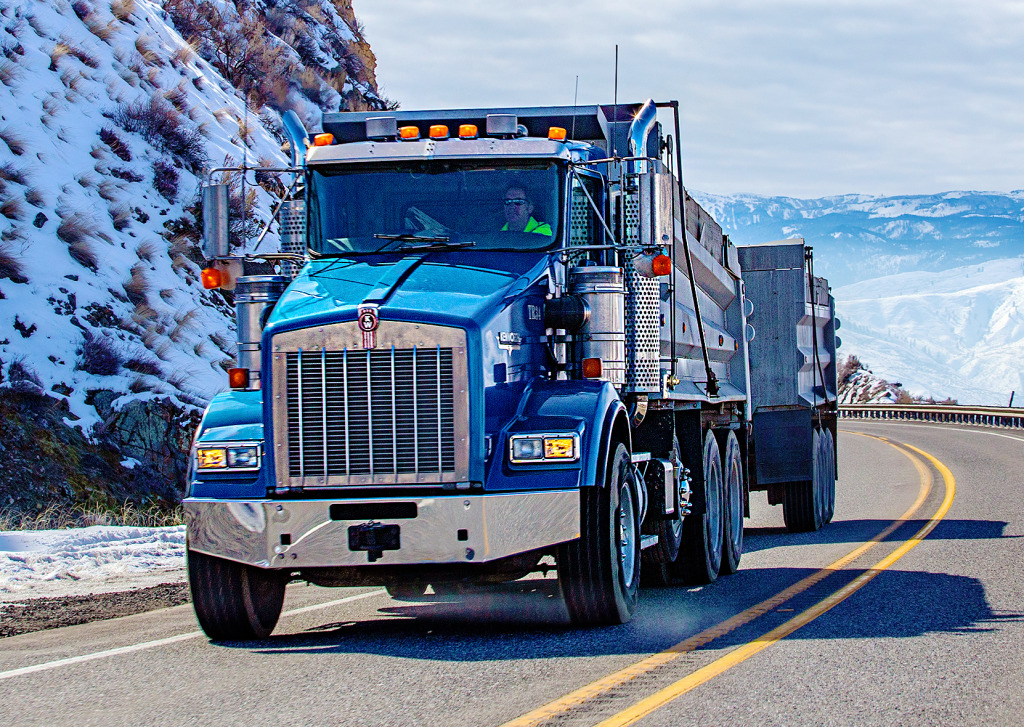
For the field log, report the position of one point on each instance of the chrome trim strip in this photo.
(394, 414)
(497, 525)
(440, 446)
(369, 411)
(302, 449)
(415, 408)
(348, 430)
(323, 399)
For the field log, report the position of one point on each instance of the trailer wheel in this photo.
(700, 558)
(233, 601)
(657, 559)
(830, 480)
(732, 547)
(803, 508)
(599, 573)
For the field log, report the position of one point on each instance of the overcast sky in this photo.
(780, 97)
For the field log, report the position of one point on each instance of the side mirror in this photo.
(215, 221)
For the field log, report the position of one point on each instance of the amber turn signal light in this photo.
(556, 133)
(661, 265)
(468, 131)
(409, 133)
(323, 139)
(212, 278)
(238, 378)
(591, 368)
(439, 131)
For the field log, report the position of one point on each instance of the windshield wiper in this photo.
(408, 237)
(439, 245)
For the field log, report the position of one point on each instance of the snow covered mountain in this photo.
(860, 237)
(111, 111)
(957, 333)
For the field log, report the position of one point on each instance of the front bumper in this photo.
(302, 533)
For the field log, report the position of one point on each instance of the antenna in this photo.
(615, 97)
(575, 98)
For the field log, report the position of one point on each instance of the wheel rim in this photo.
(627, 533)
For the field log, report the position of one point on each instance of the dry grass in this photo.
(88, 180)
(13, 140)
(183, 55)
(147, 250)
(103, 31)
(164, 349)
(11, 265)
(225, 344)
(9, 73)
(84, 253)
(10, 173)
(60, 50)
(53, 105)
(123, 9)
(153, 76)
(184, 319)
(147, 51)
(129, 76)
(74, 227)
(167, 295)
(12, 208)
(34, 196)
(177, 96)
(98, 153)
(120, 215)
(72, 79)
(109, 190)
(146, 315)
(56, 517)
(137, 287)
(138, 385)
(200, 349)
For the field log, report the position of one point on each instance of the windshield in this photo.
(367, 208)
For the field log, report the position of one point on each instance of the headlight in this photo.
(537, 448)
(229, 456)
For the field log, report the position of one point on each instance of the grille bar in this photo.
(378, 412)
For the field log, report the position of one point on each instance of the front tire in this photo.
(700, 558)
(233, 601)
(599, 573)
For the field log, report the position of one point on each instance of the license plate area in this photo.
(374, 539)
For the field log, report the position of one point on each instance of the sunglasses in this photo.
(515, 201)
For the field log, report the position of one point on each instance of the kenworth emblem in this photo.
(368, 322)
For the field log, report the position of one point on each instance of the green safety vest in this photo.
(541, 228)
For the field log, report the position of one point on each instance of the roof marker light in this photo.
(438, 131)
(468, 131)
(556, 133)
(323, 139)
(409, 133)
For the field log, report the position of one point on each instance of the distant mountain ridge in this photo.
(862, 237)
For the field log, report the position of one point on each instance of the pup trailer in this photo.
(502, 336)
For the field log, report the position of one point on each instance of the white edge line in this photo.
(46, 666)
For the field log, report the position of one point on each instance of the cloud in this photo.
(792, 97)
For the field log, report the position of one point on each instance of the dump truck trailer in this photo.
(503, 340)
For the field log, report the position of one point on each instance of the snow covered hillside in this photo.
(108, 120)
(860, 237)
(957, 333)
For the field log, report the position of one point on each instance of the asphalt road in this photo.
(900, 631)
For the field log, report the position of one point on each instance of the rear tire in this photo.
(233, 601)
(599, 573)
(732, 546)
(803, 508)
(700, 558)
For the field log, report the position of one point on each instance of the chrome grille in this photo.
(377, 412)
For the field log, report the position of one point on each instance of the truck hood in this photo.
(455, 284)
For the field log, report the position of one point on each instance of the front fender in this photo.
(592, 409)
(232, 416)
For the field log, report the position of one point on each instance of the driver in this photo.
(519, 213)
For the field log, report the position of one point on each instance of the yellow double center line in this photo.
(640, 709)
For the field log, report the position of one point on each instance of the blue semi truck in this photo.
(502, 340)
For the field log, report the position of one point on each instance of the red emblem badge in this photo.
(368, 322)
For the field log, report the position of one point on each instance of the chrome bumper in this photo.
(302, 534)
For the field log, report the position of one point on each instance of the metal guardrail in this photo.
(986, 416)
